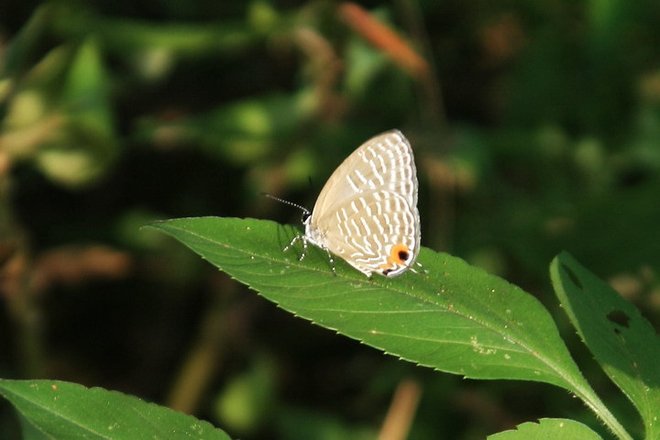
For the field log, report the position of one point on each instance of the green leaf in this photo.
(623, 342)
(564, 429)
(65, 410)
(17, 53)
(128, 36)
(243, 132)
(86, 147)
(247, 401)
(455, 318)
(451, 317)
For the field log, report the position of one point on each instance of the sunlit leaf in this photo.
(455, 318)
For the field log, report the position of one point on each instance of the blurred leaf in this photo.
(64, 410)
(564, 429)
(130, 221)
(68, 129)
(48, 73)
(262, 16)
(623, 342)
(369, 74)
(644, 150)
(86, 88)
(242, 132)
(129, 36)
(457, 318)
(17, 55)
(363, 63)
(86, 146)
(31, 117)
(303, 424)
(246, 402)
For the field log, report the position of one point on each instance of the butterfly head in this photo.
(306, 217)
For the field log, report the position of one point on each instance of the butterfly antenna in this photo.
(286, 202)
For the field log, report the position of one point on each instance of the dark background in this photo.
(536, 128)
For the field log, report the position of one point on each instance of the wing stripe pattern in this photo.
(367, 211)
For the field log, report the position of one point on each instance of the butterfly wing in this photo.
(377, 232)
(367, 211)
(384, 162)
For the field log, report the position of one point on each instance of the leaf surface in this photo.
(61, 410)
(452, 317)
(563, 429)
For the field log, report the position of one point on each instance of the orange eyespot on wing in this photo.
(399, 255)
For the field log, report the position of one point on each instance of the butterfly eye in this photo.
(305, 216)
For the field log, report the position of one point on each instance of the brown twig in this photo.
(402, 410)
(206, 355)
(384, 38)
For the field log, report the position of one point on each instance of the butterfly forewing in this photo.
(384, 162)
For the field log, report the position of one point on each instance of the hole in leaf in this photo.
(619, 317)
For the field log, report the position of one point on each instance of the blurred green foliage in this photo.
(544, 135)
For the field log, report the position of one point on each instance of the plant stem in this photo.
(591, 399)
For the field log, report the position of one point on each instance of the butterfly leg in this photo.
(304, 252)
(332, 262)
(293, 241)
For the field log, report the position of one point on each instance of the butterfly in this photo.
(367, 212)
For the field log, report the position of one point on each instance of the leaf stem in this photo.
(591, 399)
